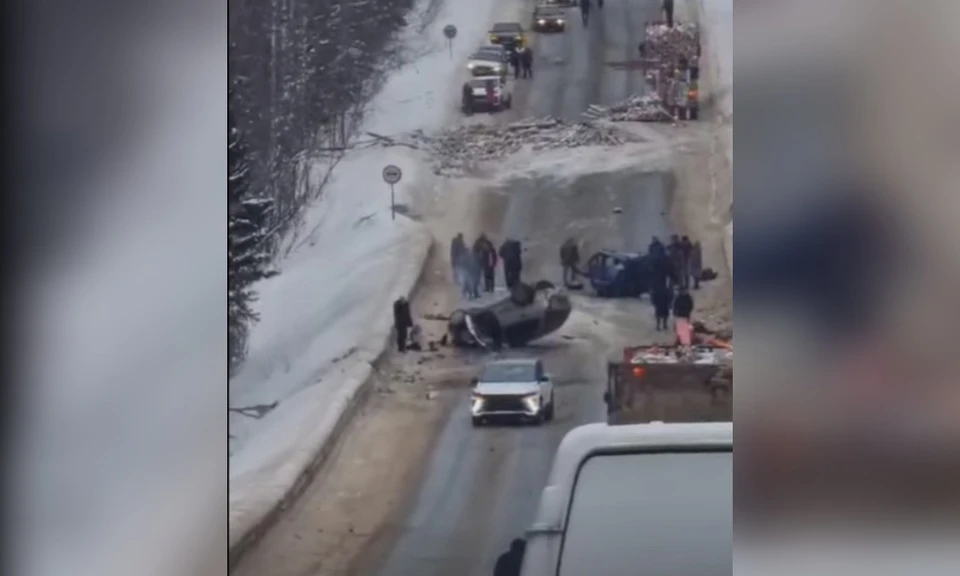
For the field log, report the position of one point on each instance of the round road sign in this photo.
(391, 174)
(450, 31)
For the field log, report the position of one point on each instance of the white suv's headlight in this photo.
(532, 401)
(541, 22)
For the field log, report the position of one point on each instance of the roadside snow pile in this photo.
(459, 150)
(670, 44)
(637, 108)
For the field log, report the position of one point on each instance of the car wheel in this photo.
(550, 409)
(509, 102)
(477, 422)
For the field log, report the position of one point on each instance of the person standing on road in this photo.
(675, 258)
(600, 5)
(515, 61)
(510, 254)
(585, 11)
(510, 562)
(570, 261)
(656, 247)
(681, 89)
(668, 12)
(696, 264)
(526, 62)
(466, 96)
(472, 273)
(685, 249)
(662, 299)
(457, 249)
(402, 322)
(486, 254)
(682, 310)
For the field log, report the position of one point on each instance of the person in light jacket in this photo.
(680, 89)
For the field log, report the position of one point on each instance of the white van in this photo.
(637, 500)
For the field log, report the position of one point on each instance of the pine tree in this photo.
(247, 254)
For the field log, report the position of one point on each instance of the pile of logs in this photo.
(671, 44)
(637, 108)
(459, 150)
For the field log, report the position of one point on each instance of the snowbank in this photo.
(328, 315)
(716, 20)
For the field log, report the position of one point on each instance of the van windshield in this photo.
(666, 514)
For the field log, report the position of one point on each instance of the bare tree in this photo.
(302, 72)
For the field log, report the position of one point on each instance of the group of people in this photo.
(479, 263)
(678, 264)
(521, 60)
(675, 267)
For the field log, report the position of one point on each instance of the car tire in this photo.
(550, 409)
(509, 103)
(543, 416)
(477, 422)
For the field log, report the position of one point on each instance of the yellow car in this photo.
(507, 34)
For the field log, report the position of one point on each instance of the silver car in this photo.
(512, 389)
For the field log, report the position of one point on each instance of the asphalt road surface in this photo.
(593, 64)
(482, 486)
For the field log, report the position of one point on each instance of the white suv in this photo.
(512, 389)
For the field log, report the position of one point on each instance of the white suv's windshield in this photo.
(518, 372)
(667, 514)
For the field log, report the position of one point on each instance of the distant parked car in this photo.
(507, 34)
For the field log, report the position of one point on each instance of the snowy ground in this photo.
(716, 18)
(328, 314)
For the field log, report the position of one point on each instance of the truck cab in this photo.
(636, 499)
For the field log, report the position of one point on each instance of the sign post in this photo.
(450, 31)
(392, 175)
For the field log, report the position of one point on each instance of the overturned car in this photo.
(515, 319)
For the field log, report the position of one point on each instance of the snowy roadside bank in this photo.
(715, 18)
(327, 317)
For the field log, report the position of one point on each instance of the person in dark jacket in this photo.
(683, 305)
(668, 12)
(696, 264)
(585, 11)
(676, 259)
(662, 298)
(685, 248)
(510, 562)
(510, 252)
(570, 261)
(526, 61)
(402, 322)
(467, 98)
(486, 254)
(515, 62)
(458, 247)
(656, 247)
